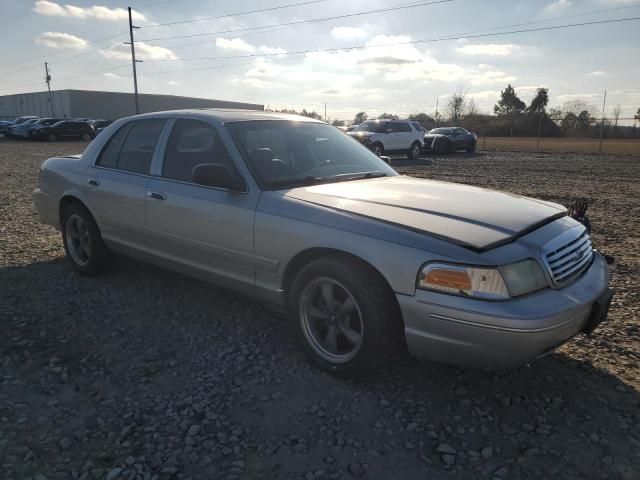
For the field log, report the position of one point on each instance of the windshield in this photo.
(284, 154)
(442, 131)
(373, 127)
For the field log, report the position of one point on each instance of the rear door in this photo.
(403, 136)
(204, 228)
(116, 183)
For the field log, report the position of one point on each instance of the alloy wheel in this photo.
(331, 320)
(78, 239)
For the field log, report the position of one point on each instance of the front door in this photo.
(205, 228)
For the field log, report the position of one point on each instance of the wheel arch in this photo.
(303, 258)
(69, 198)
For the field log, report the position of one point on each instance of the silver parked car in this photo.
(294, 212)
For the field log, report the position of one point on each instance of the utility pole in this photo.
(325, 111)
(604, 102)
(47, 78)
(133, 61)
(435, 120)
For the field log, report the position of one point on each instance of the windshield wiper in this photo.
(345, 177)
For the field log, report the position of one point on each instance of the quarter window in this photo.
(109, 156)
(193, 143)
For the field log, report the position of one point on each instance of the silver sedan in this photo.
(299, 215)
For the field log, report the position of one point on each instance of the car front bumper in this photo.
(500, 335)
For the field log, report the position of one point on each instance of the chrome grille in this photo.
(568, 255)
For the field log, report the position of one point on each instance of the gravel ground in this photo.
(145, 374)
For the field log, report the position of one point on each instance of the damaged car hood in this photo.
(473, 217)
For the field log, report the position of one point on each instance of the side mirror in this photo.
(216, 175)
(386, 159)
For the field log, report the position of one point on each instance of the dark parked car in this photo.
(449, 139)
(9, 129)
(65, 129)
(99, 125)
(43, 122)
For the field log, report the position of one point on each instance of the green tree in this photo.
(388, 116)
(360, 117)
(509, 103)
(540, 101)
(338, 123)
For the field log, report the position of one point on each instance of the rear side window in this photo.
(193, 143)
(137, 151)
(400, 127)
(109, 156)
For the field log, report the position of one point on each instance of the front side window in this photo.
(284, 153)
(137, 150)
(372, 127)
(194, 143)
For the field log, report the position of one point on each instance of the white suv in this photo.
(390, 136)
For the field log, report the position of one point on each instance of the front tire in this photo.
(343, 314)
(445, 147)
(83, 244)
(414, 151)
(52, 137)
(471, 148)
(86, 137)
(378, 149)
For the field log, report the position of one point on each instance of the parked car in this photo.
(449, 139)
(42, 122)
(11, 127)
(290, 210)
(4, 124)
(100, 125)
(390, 136)
(22, 130)
(65, 129)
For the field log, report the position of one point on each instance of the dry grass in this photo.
(560, 145)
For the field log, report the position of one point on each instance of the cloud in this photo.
(144, 51)
(173, 83)
(491, 49)
(96, 12)
(113, 76)
(271, 50)
(349, 33)
(234, 44)
(597, 73)
(386, 60)
(60, 40)
(331, 91)
(557, 6)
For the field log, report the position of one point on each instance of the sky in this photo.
(409, 56)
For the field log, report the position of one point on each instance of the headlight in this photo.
(488, 283)
(523, 277)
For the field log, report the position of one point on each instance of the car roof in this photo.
(230, 115)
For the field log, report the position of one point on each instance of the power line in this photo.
(237, 14)
(300, 22)
(410, 42)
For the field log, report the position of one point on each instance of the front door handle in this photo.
(93, 181)
(157, 195)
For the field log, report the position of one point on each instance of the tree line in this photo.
(512, 117)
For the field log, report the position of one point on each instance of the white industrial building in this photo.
(96, 104)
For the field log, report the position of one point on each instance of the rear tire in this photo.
(343, 313)
(52, 137)
(83, 244)
(86, 137)
(378, 149)
(471, 148)
(414, 151)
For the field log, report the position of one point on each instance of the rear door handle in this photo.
(93, 181)
(157, 195)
